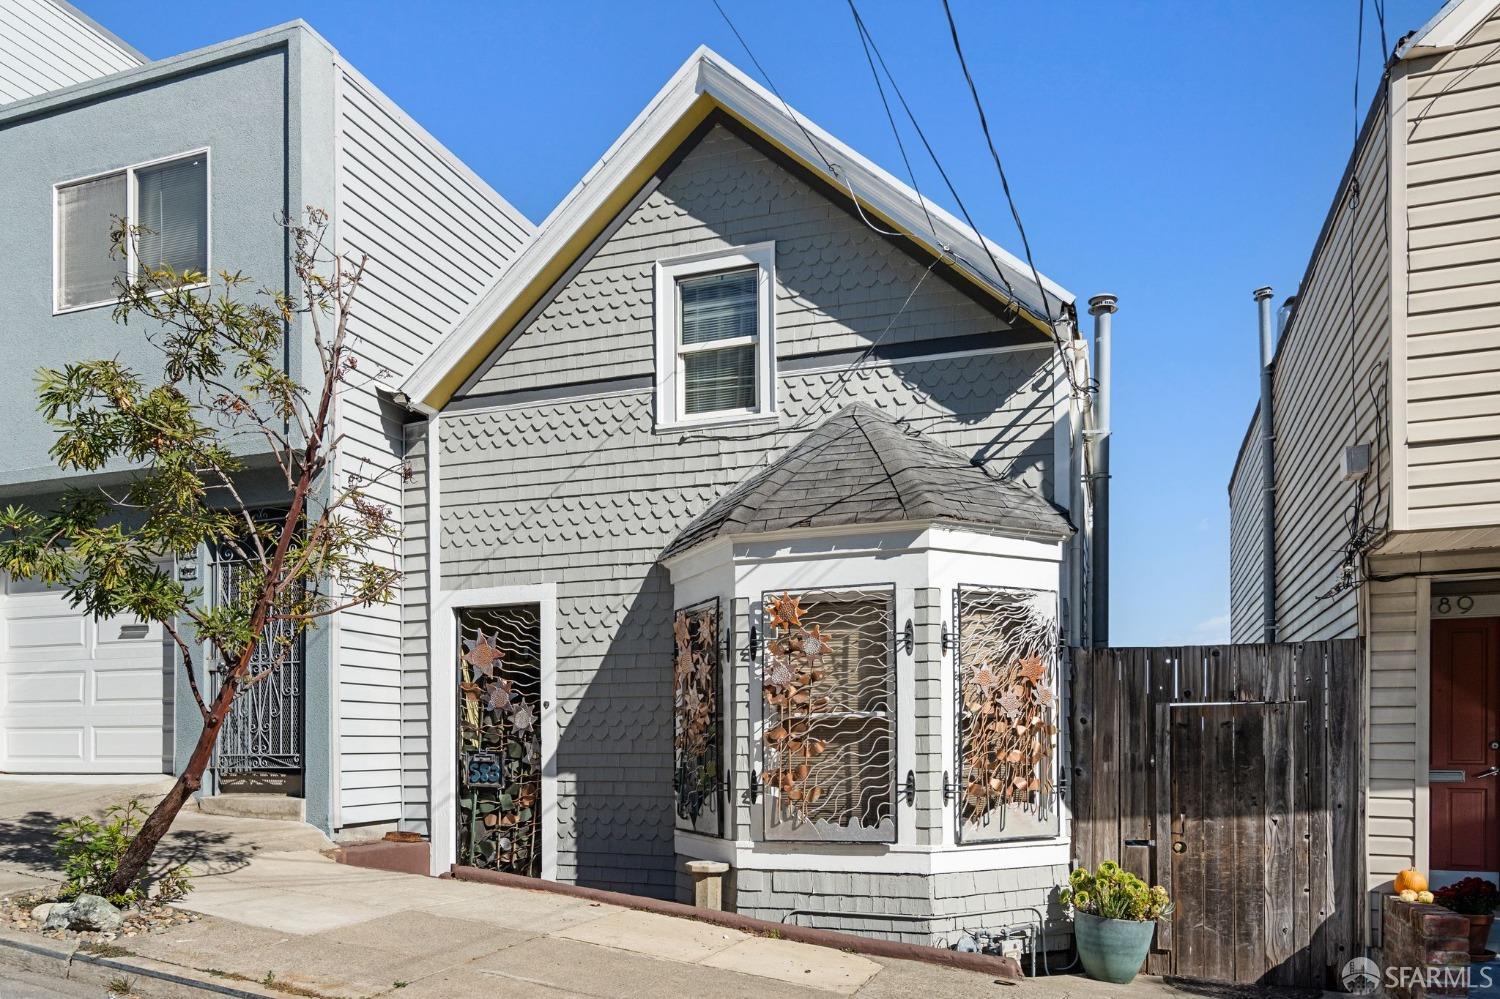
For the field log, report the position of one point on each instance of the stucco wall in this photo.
(249, 177)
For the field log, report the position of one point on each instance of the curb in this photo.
(1001, 967)
(26, 953)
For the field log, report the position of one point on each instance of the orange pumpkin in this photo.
(1411, 879)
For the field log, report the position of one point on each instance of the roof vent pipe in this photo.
(1268, 462)
(1102, 308)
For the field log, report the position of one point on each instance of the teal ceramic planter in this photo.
(1112, 950)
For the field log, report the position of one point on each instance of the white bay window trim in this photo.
(671, 351)
(130, 265)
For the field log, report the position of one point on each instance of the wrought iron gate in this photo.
(263, 731)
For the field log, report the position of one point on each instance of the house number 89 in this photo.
(1463, 604)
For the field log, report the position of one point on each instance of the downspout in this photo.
(1267, 467)
(1102, 308)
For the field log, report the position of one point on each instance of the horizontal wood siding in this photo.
(1452, 376)
(1394, 696)
(435, 236)
(414, 659)
(1331, 389)
(45, 47)
(1246, 496)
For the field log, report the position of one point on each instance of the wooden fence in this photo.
(1231, 775)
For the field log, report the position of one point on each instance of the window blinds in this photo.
(716, 380)
(85, 213)
(719, 306)
(172, 209)
(716, 307)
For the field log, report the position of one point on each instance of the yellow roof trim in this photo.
(611, 205)
(577, 242)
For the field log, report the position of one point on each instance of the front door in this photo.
(500, 738)
(1464, 782)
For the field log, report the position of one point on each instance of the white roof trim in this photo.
(1447, 28)
(707, 73)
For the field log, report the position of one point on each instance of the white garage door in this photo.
(80, 696)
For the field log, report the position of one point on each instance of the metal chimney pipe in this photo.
(1102, 308)
(1267, 464)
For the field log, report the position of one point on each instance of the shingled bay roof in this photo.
(862, 467)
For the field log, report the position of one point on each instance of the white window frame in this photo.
(129, 172)
(670, 383)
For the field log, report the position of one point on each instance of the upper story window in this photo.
(715, 337)
(167, 200)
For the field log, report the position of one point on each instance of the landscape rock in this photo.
(40, 912)
(86, 912)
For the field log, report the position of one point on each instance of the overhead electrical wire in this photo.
(867, 40)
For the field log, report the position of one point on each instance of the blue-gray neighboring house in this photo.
(207, 149)
(753, 504)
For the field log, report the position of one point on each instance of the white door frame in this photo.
(443, 683)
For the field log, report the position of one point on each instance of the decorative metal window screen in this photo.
(263, 730)
(828, 699)
(697, 721)
(1006, 713)
(499, 738)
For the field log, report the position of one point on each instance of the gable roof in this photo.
(860, 466)
(706, 83)
(1447, 28)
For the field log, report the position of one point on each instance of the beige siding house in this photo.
(1393, 343)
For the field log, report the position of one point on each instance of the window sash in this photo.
(718, 315)
(175, 191)
(171, 206)
(86, 269)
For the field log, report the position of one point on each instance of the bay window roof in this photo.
(861, 466)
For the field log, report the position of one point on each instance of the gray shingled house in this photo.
(749, 516)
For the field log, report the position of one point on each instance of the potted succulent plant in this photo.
(1114, 917)
(1477, 899)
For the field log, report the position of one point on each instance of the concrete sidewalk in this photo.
(31, 808)
(279, 918)
(351, 932)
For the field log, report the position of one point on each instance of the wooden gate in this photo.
(1230, 775)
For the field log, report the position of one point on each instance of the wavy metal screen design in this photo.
(499, 738)
(697, 723)
(1006, 713)
(828, 696)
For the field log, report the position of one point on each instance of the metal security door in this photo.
(500, 750)
(262, 734)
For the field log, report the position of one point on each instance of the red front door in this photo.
(1465, 745)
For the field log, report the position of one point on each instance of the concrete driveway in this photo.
(31, 808)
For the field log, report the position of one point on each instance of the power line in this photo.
(1015, 213)
(868, 38)
(995, 155)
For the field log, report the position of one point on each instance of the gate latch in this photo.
(1140, 842)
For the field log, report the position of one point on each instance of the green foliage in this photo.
(222, 390)
(174, 885)
(174, 435)
(90, 851)
(1114, 893)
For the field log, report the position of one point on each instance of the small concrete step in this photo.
(255, 806)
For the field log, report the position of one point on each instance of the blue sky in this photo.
(1177, 154)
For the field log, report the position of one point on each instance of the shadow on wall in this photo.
(615, 746)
